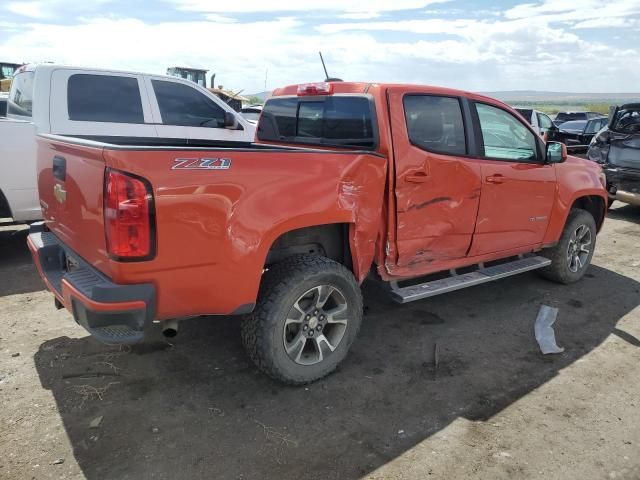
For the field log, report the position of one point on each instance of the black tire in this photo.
(561, 266)
(265, 331)
(610, 202)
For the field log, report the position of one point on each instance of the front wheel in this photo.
(308, 314)
(572, 255)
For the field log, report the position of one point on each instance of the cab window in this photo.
(335, 120)
(21, 96)
(104, 98)
(185, 106)
(504, 137)
(435, 123)
(544, 121)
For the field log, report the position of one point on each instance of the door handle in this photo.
(495, 179)
(418, 177)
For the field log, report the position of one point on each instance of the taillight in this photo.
(320, 88)
(128, 217)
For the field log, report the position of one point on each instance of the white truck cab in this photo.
(101, 104)
(541, 122)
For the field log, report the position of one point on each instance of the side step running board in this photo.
(456, 282)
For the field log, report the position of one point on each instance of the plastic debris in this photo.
(545, 335)
(59, 461)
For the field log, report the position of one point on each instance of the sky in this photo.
(256, 45)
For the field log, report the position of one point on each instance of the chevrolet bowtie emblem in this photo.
(60, 193)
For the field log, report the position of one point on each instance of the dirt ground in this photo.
(493, 408)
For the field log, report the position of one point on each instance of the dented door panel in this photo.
(437, 198)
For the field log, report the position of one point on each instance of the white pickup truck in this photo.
(99, 105)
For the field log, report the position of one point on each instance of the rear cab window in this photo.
(104, 98)
(333, 120)
(21, 97)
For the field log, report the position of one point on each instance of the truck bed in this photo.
(217, 208)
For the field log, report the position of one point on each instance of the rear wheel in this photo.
(308, 314)
(572, 255)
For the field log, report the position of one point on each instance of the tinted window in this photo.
(21, 97)
(595, 125)
(527, 113)
(544, 121)
(435, 123)
(565, 117)
(104, 98)
(331, 120)
(578, 125)
(504, 137)
(3, 107)
(183, 105)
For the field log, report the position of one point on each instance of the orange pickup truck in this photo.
(424, 189)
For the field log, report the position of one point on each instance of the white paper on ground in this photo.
(545, 335)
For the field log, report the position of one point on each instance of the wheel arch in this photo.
(595, 205)
(330, 240)
(5, 208)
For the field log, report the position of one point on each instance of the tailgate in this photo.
(70, 185)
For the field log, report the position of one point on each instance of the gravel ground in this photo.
(196, 408)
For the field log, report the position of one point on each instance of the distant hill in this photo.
(562, 97)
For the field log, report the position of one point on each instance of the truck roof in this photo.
(54, 66)
(363, 87)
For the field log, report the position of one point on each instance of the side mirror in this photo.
(229, 119)
(556, 152)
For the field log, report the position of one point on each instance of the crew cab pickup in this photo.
(424, 189)
(89, 103)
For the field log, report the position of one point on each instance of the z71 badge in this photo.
(202, 164)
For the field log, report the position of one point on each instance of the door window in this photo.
(21, 96)
(435, 123)
(544, 121)
(104, 98)
(183, 105)
(504, 136)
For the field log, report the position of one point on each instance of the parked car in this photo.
(101, 105)
(577, 134)
(251, 113)
(540, 121)
(563, 117)
(348, 180)
(617, 149)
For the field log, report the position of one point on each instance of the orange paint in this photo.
(410, 212)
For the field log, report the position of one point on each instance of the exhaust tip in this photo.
(170, 328)
(169, 332)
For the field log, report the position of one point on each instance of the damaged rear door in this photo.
(437, 184)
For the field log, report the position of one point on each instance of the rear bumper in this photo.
(623, 184)
(114, 314)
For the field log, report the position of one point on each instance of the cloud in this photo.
(40, 10)
(360, 16)
(530, 48)
(550, 11)
(261, 6)
(608, 23)
(215, 18)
